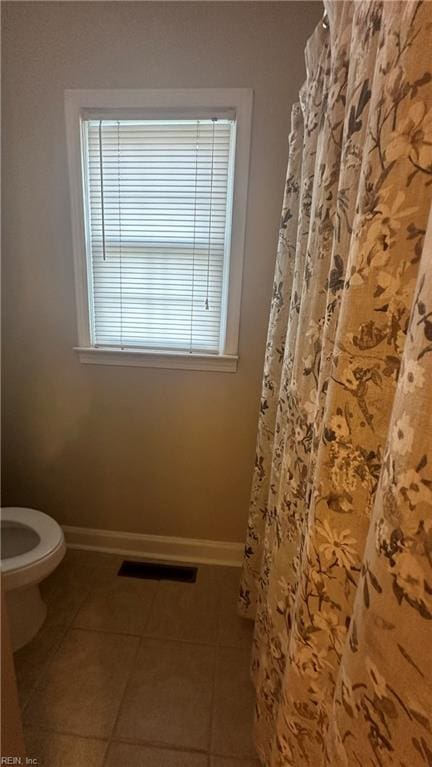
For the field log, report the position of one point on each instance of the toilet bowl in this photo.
(32, 545)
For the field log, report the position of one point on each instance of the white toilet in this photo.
(32, 545)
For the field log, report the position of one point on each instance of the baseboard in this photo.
(155, 546)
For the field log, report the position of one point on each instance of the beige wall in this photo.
(155, 451)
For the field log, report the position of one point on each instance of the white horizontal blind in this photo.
(158, 209)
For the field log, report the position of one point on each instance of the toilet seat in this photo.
(33, 565)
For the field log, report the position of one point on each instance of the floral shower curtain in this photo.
(338, 559)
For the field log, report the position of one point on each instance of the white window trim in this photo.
(203, 103)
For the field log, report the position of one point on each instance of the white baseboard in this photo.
(155, 546)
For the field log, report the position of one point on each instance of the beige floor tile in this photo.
(54, 750)
(107, 569)
(234, 631)
(233, 704)
(187, 611)
(169, 696)
(117, 604)
(32, 660)
(83, 686)
(66, 589)
(223, 761)
(142, 756)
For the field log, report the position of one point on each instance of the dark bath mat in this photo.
(158, 572)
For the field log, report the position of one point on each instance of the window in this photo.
(158, 188)
(158, 196)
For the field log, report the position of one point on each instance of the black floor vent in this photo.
(157, 572)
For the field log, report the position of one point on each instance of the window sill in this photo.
(223, 363)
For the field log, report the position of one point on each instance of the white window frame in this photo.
(196, 102)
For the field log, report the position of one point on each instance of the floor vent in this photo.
(158, 572)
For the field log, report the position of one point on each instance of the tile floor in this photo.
(137, 673)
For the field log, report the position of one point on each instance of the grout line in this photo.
(242, 758)
(121, 701)
(160, 746)
(44, 673)
(152, 603)
(105, 631)
(126, 687)
(177, 640)
(69, 733)
(93, 570)
(153, 637)
(213, 693)
(163, 746)
(162, 637)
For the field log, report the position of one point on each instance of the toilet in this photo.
(32, 545)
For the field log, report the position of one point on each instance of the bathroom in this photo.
(216, 419)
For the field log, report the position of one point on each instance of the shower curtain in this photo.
(338, 558)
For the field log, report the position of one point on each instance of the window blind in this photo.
(158, 207)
